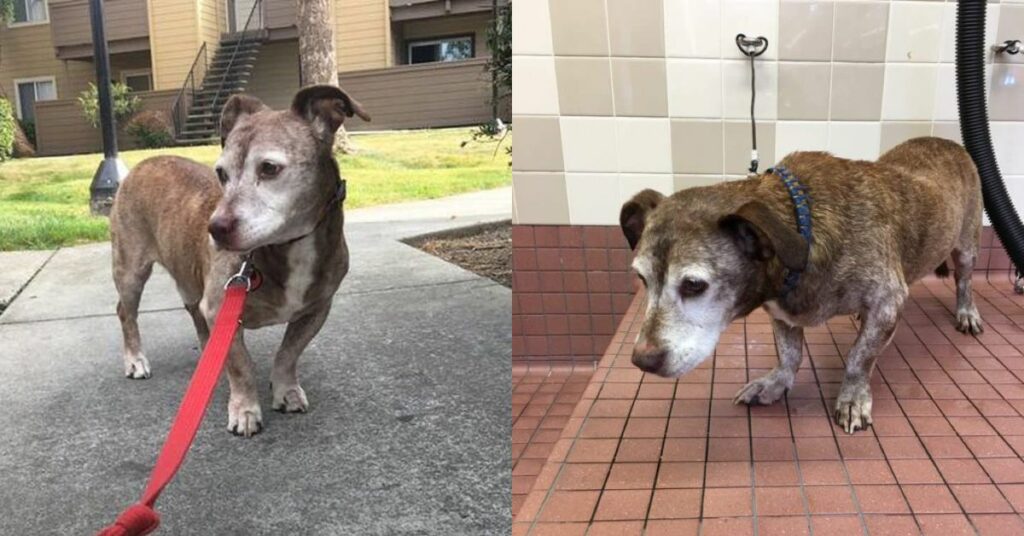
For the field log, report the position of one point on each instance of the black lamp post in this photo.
(111, 170)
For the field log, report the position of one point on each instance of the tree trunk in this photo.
(317, 54)
(22, 145)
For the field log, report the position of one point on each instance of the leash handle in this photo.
(140, 518)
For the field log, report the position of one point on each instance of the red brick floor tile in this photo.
(779, 501)
(675, 504)
(683, 450)
(946, 447)
(885, 499)
(618, 505)
(616, 528)
(824, 473)
(980, 498)
(675, 527)
(783, 526)
(727, 502)
(727, 474)
(569, 506)
(680, 475)
(997, 524)
(595, 427)
(582, 476)
(631, 476)
(593, 450)
(915, 472)
(559, 529)
(836, 524)
(830, 499)
(930, 499)
(776, 473)
(1004, 470)
(639, 450)
(944, 525)
(962, 471)
(891, 525)
(733, 526)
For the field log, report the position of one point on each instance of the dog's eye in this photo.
(692, 287)
(222, 176)
(269, 169)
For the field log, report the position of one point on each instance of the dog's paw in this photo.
(244, 416)
(764, 390)
(136, 367)
(853, 408)
(969, 321)
(290, 399)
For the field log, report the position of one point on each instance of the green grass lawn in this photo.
(44, 202)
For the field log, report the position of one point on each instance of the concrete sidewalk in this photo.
(408, 430)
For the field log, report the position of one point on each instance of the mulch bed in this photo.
(485, 250)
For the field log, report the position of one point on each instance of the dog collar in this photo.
(802, 207)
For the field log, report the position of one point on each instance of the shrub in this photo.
(7, 126)
(151, 129)
(125, 104)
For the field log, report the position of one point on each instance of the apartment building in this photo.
(412, 63)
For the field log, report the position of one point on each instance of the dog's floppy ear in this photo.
(326, 107)
(235, 108)
(633, 215)
(761, 235)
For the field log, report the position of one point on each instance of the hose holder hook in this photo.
(751, 47)
(1010, 46)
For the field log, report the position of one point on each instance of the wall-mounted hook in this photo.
(1010, 46)
(751, 47)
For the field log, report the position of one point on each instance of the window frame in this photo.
(46, 20)
(409, 43)
(137, 72)
(32, 80)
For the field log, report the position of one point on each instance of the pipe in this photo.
(971, 101)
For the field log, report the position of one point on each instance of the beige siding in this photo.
(122, 19)
(212, 23)
(475, 25)
(27, 52)
(275, 79)
(421, 96)
(61, 128)
(362, 34)
(174, 38)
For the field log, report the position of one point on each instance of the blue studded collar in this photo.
(802, 207)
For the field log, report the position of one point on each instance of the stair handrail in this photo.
(243, 37)
(181, 106)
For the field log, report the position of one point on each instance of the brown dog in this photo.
(711, 255)
(275, 195)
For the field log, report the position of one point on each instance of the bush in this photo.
(125, 104)
(151, 129)
(7, 126)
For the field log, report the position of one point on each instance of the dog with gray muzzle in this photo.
(710, 255)
(275, 196)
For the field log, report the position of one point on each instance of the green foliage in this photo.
(151, 129)
(7, 125)
(29, 128)
(499, 35)
(125, 104)
(6, 10)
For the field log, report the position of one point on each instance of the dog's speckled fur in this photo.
(165, 206)
(878, 227)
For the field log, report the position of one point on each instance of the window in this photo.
(138, 80)
(29, 12)
(31, 91)
(442, 49)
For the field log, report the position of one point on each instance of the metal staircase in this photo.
(210, 83)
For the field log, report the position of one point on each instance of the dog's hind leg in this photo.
(130, 275)
(968, 320)
(789, 341)
(284, 380)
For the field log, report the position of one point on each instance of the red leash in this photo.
(140, 518)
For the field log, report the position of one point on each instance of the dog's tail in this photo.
(943, 270)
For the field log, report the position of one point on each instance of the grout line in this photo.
(750, 430)
(792, 436)
(707, 442)
(7, 305)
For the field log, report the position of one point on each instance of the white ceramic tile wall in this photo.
(630, 140)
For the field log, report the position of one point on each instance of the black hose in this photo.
(971, 101)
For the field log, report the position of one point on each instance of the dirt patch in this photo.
(482, 249)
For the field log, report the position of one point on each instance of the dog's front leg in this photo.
(284, 380)
(853, 405)
(244, 415)
(789, 342)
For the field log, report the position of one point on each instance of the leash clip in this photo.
(246, 274)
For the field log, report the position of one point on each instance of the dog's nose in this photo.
(648, 358)
(221, 228)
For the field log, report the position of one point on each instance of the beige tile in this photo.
(857, 91)
(682, 182)
(538, 144)
(534, 91)
(803, 90)
(791, 136)
(1006, 101)
(947, 129)
(584, 86)
(692, 29)
(1011, 26)
(860, 31)
(579, 28)
(909, 91)
(588, 144)
(694, 88)
(531, 27)
(737, 146)
(636, 28)
(644, 144)
(895, 133)
(915, 31)
(639, 87)
(805, 30)
(593, 198)
(736, 89)
(540, 198)
(697, 147)
(858, 140)
(752, 18)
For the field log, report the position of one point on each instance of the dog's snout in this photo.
(221, 228)
(648, 358)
